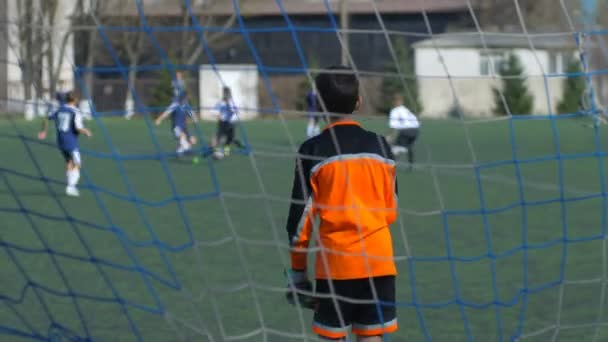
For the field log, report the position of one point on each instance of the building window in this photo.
(491, 61)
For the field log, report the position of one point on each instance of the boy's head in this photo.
(179, 75)
(226, 93)
(338, 90)
(70, 97)
(397, 99)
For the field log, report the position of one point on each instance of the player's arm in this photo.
(80, 125)
(44, 129)
(162, 117)
(299, 221)
(299, 231)
(164, 114)
(394, 125)
(190, 113)
(391, 198)
(45, 126)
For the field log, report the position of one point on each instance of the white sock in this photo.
(73, 177)
(183, 143)
(310, 130)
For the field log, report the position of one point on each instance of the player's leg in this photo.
(181, 135)
(333, 316)
(73, 163)
(192, 139)
(310, 126)
(234, 140)
(220, 140)
(399, 143)
(317, 127)
(379, 317)
(229, 133)
(411, 136)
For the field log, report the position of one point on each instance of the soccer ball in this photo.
(218, 154)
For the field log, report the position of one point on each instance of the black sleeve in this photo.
(300, 192)
(389, 155)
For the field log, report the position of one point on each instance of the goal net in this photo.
(502, 221)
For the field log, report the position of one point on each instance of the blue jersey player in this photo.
(180, 112)
(312, 107)
(178, 86)
(68, 125)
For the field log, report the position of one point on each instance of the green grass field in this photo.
(230, 283)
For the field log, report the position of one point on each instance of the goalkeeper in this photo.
(345, 176)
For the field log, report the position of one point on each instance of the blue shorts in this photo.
(178, 130)
(72, 155)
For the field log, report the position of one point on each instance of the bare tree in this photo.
(42, 42)
(502, 15)
(133, 44)
(88, 19)
(26, 46)
(191, 46)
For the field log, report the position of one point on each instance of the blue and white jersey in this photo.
(227, 111)
(179, 89)
(179, 114)
(68, 120)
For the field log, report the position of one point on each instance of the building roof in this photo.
(292, 7)
(499, 41)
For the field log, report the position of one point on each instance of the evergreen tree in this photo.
(406, 84)
(163, 92)
(574, 90)
(518, 99)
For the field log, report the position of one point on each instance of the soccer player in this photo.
(344, 181)
(228, 115)
(406, 127)
(178, 86)
(180, 111)
(68, 123)
(313, 128)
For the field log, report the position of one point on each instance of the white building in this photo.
(12, 92)
(465, 66)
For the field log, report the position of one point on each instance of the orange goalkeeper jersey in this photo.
(344, 194)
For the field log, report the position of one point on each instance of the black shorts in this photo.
(225, 132)
(352, 303)
(407, 137)
(72, 155)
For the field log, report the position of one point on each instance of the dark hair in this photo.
(70, 97)
(226, 92)
(338, 89)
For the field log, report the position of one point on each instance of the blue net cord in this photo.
(56, 331)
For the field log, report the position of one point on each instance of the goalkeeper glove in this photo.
(299, 290)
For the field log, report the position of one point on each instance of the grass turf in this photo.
(166, 250)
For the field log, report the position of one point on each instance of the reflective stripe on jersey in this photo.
(354, 197)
